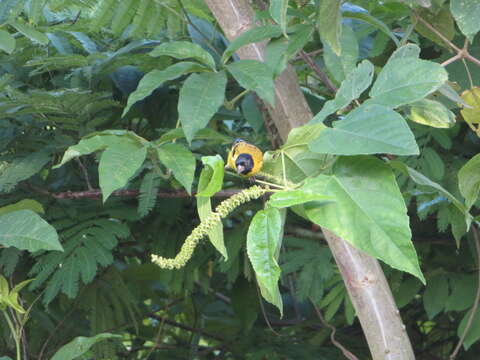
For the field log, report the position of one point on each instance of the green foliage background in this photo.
(112, 112)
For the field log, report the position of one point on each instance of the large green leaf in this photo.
(25, 230)
(98, 141)
(432, 113)
(341, 66)
(305, 193)
(200, 97)
(204, 204)
(435, 295)
(369, 129)
(278, 12)
(184, 50)
(406, 80)
(155, 78)
(118, 164)
(466, 13)
(7, 42)
(25, 204)
(329, 24)
(180, 161)
(442, 21)
(211, 176)
(30, 32)
(351, 88)
(379, 227)
(254, 35)
(80, 345)
(254, 75)
(263, 244)
(469, 180)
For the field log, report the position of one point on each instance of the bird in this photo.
(246, 159)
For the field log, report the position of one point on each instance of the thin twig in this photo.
(85, 173)
(476, 239)
(316, 69)
(438, 33)
(345, 352)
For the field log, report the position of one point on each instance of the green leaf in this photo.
(147, 197)
(263, 243)
(30, 32)
(406, 80)
(341, 66)
(369, 129)
(466, 15)
(180, 161)
(441, 21)
(369, 19)
(435, 294)
(99, 141)
(200, 97)
(4, 288)
(25, 230)
(184, 50)
(25, 204)
(251, 36)
(155, 78)
(351, 88)
(203, 134)
(204, 205)
(432, 113)
(406, 51)
(80, 345)
(7, 42)
(306, 193)
(469, 180)
(463, 293)
(421, 179)
(329, 22)
(380, 227)
(211, 176)
(473, 334)
(254, 75)
(278, 12)
(118, 164)
(22, 168)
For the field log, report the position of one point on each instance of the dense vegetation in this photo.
(116, 117)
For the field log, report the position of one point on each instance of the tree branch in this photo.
(313, 65)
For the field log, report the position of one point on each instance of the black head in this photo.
(244, 164)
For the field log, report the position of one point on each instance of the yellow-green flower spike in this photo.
(221, 211)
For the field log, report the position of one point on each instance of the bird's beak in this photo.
(240, 169)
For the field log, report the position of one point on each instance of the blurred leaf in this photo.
(30, 32)
(25, 230)
(369, 19)
(407, 291)
(469, 180)
(432, 164)
(184, 50)
(341, 66)
(369, 129)
(305, 193)
(263, 243)
(256, 76)
(473, 334)
(155, 78)
(350, 89)
(431, 113)
(25, 204)
(211, 176)
(204, 205)
(200, 97)
(463, 293)
(7, 42)
(406, 80)
(254, 35)
(329, 22)
(80, 345)
(466, 16)
(180, 161)
(278, 12)
(380, 228)
(435, 294)
(441, 21)
(252, 113)
(472, 98)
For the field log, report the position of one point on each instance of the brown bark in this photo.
(363, 277)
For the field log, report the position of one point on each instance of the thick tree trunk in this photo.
(363, 277)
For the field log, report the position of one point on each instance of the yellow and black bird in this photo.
(245, 158)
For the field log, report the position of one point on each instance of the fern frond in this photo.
(141, 18)
(148, 193)
(102, 14)
(21, 168)
(123, 15)
(9, 259)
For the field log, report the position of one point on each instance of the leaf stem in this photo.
(16, 336)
